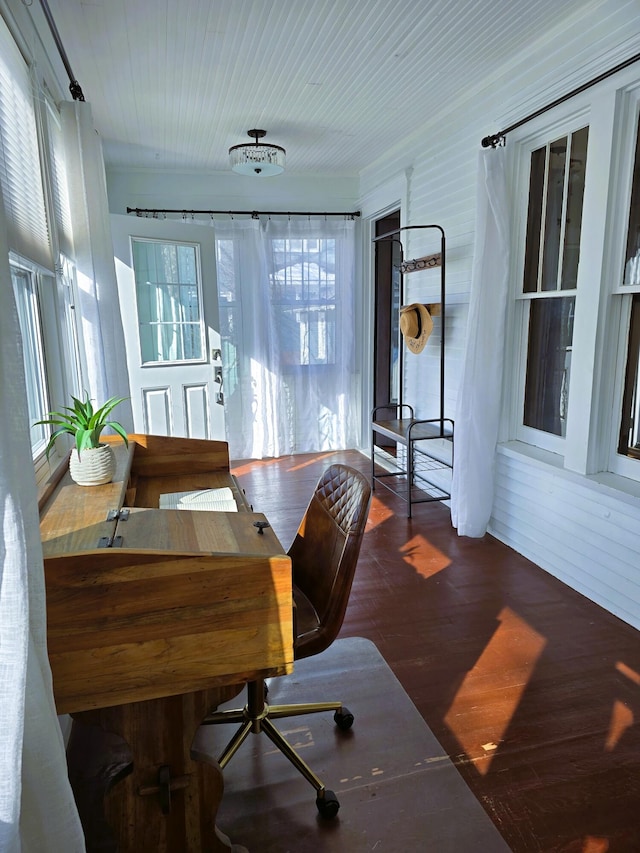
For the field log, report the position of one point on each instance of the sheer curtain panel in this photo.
(479, 392)
(37, 809)
(286, 296)
(105, 368)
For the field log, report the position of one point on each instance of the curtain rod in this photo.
(255, 214)
(499, 138)
(74, 86)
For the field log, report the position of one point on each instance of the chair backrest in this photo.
(325, 551)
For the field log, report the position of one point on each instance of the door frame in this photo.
(378, 203)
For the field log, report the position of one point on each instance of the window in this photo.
(303, 296)
(27, 303)
(552, 252)
(168, 296)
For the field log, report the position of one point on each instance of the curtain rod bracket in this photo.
(76, 91)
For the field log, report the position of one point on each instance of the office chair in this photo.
(324, 554)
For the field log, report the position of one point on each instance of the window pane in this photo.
(24, 287)
(549, 364)
(534, 220)
(632, 260)
(554, 217)
(553, 213)
(629, 443)
(168, 300)
(303, 296)
(573, 219)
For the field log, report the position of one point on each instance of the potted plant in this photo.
(92, 462)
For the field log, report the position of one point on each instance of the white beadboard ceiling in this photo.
(174, 83)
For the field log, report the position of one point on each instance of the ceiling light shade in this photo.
(256, 158)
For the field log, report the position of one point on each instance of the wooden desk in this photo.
(151, 616)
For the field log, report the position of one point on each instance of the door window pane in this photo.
(549, 364)
(168, 296)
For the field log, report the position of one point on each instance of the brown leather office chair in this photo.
(324, 554)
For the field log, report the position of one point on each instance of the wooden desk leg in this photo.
(168, 801)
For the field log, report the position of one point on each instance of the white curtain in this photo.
(105, 368)
(479, 393)
(286, 296)
(37, 809)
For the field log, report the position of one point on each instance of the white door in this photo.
(166, 284)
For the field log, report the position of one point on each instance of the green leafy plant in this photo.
(84, 423)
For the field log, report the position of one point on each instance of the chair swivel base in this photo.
(256, 717)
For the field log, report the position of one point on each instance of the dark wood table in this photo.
(155, 617)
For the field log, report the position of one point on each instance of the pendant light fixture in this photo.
(256, 158)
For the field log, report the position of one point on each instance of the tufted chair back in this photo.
(324, 554)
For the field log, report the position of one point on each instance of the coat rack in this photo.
(396, 420)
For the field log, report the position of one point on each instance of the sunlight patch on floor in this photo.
(622, 716)
(621, 720)
(424, 557)
(595, 845)
(379, 513)
(480, 725)
(631, 674)
(301, 465)
(241, 467)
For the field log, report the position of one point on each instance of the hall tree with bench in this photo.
(407, 452)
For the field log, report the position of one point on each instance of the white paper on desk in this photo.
(206, 499)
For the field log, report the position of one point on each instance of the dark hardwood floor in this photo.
(533, 690)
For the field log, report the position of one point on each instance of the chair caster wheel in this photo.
(343, 719)
(328, 805)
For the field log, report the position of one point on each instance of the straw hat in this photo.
(416, 325)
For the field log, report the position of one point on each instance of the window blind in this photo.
(20, 172)
(59, 187)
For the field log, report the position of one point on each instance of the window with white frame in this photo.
(576, 378)
(169, 299)
(549, 284)
(33, 177)
(302, 278)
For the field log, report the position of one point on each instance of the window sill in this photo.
(45, 471)
(605, 484)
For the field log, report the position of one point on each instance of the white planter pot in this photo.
(93, 466)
